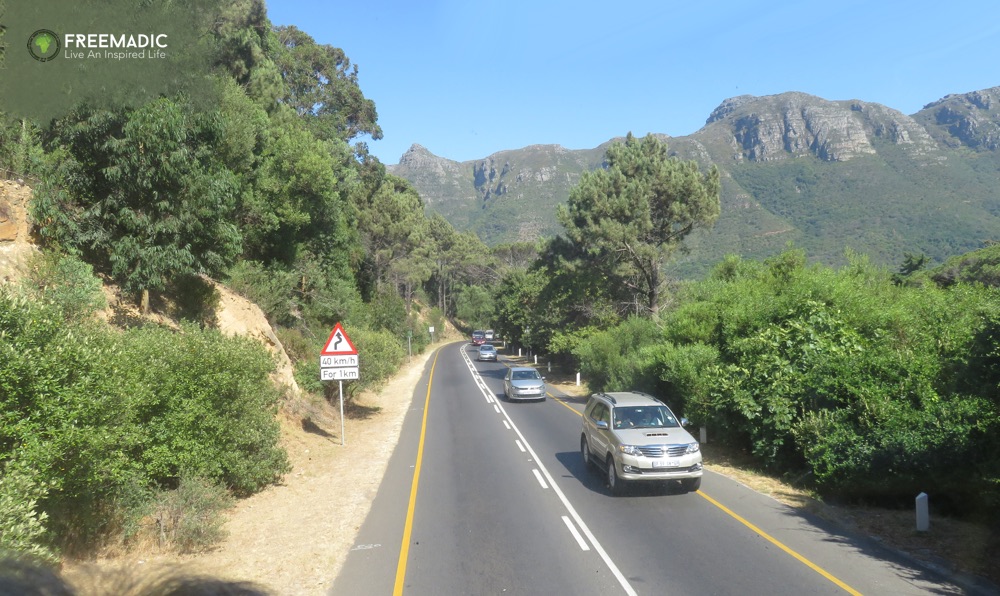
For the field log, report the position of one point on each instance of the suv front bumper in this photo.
(644, 468)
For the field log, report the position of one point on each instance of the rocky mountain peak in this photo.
(729, 106)
(790, 125)
(970, 119)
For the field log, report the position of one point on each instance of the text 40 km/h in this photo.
(345, 360)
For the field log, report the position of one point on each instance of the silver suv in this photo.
(633, 436)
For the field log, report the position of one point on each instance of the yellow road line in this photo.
(404, 549)
(760, 532)
(564, 404)
(775, 542)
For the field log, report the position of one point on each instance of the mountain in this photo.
(826, 175)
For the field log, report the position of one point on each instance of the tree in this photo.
(458, 258)
(322, 86)
(300, 196)
(632, 216)
(20, 149)
(474, 305)
(141, 193)
(391, 223)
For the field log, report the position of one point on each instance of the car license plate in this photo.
(666, 463)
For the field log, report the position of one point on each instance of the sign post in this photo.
(338, 361)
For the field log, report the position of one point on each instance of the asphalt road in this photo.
(486, 496)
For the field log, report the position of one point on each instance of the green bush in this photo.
(387, 312)
(872, 389)
(684, 372)
(380, 356)
(437, 320)
(416, 328)
(22, 525)
(270, 288)
(206, 406)
(614, 360)
(196, 299)
(98, 415)
(66, 282)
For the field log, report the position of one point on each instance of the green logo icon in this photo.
(43, 45)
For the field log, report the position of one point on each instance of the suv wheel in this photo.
(691, 484)
(585, 451)
(616, 484)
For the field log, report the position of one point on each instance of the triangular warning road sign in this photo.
(338, 343)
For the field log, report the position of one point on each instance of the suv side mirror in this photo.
(685, 422)
(602, 424)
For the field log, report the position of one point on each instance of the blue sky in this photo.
(467, 79)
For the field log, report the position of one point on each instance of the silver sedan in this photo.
(523, 382)
(487, 352)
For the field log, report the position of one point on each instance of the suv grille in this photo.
(660, 450)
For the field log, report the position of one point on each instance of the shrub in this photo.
(614, 360)
(99, 415)
(22, 525)
(437, 320)
(684, 372)
(190, 519)
(66, 282)
(268, 287)
(380, 356)
(195, 299)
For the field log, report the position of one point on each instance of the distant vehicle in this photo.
(523, 382)
(487, 352)
(489, 335)
(633, 437)
(478, 338)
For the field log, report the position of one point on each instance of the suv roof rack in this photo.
(608, 397)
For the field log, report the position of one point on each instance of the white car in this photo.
(489, 335)
(523, 382)
(634, 437)
(487, 352)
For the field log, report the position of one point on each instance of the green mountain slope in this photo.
(826, 175)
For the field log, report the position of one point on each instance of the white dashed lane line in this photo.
(545, 480)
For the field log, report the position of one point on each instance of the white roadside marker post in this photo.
(923, 513)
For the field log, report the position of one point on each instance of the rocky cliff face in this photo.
(970, 119)
(507, 196)
(15, 241)
(439, 181)
(790, 125)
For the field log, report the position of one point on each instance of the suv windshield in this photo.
(525, 375)
(644, 417)
(478, 335)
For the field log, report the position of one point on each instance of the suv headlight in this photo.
(630, 450)
(693, 448)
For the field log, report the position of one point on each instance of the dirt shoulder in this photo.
(294, 537)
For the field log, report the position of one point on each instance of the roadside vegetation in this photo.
(137, 431)
(859, 383)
